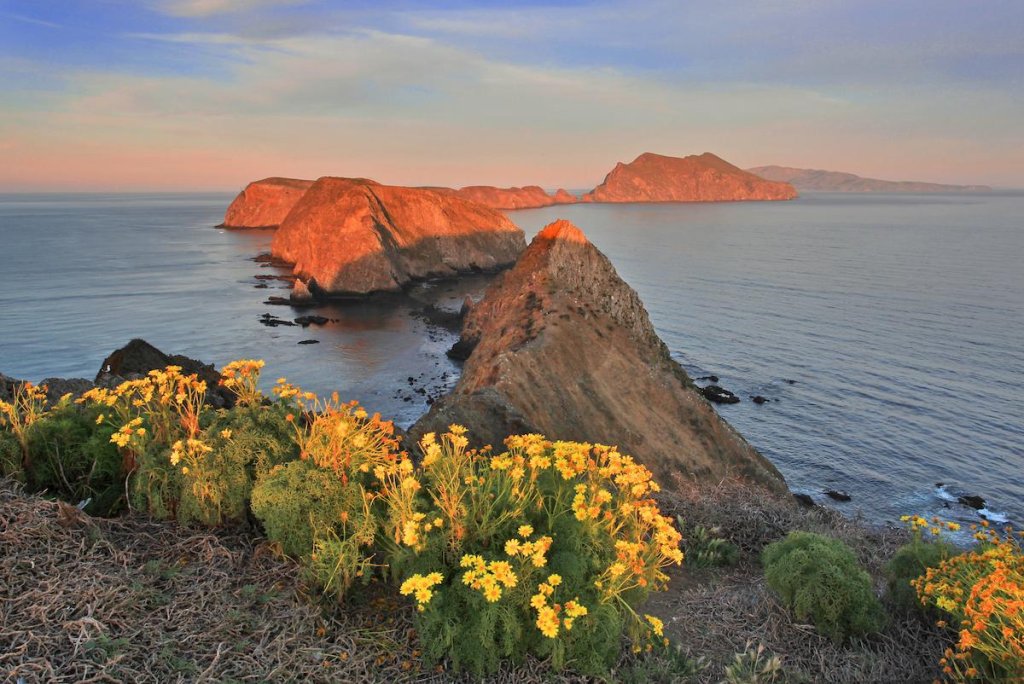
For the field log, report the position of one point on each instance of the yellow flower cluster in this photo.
(657, 626)
(548, 612)
(983, 590)
(129, 433)
(536, 550)
(189, 450)
(242, 378)
(587, 503)
(487, 577)
(936, 526)
(167, 400)
(421, 588)
(27, 405)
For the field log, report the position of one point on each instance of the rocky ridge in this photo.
(560, 345)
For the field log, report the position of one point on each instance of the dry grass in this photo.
(130, 599)
(715, 613)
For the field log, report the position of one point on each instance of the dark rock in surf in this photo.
(972, 500)
(837, 495)
(306, 321)
(719, 395)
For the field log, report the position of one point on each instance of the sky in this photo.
(139, 95)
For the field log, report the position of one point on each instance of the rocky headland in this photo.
(836, 181)
(696, 178)
(529, 197)
(265, 203)
(561, 345)
(349, 237)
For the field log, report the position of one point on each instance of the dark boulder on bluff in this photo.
(353, 238)
(138, 357)
(265, 203)
(560, 345)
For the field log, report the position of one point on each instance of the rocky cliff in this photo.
(350, 237)
(528, 197)
(697, 178)
(837, 181)
(265, 203)
(562, 346)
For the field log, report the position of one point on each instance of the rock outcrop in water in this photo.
(836, 181)
(265, 203)
(528, 197)
(697, 178)
(562, 346)
(348, 237)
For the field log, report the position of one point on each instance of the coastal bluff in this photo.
(562, 346)
(696, 178)
(265, 203)
(348, 237)
(528, 197)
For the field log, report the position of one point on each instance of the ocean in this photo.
(886, 331)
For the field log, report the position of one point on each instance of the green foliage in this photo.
(705, 549)
(156, 484)
(10, 457)
(298, 501)
(818, 578)
(910, 562)
(246, 442)
(754, 666)
(70, 456)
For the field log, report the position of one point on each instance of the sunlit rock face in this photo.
(697, 178)
(353, 237)
(265, 203)
(528, 197)
(562, 346)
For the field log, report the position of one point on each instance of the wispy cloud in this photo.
(31, 20)
(514, 95)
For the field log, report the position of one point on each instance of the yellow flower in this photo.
(525, 530)
(657, 626)
(226, 434)
(547, 622)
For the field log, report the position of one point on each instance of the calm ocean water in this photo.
(900, 319)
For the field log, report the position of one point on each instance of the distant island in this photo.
(838, 181)
(648, 178)
(696, 178)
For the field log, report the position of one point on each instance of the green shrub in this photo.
(704, 548)
(10, 457)
(910, 562)
(246, 442)
(299, 503)
(818, 578)
(71, 457)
